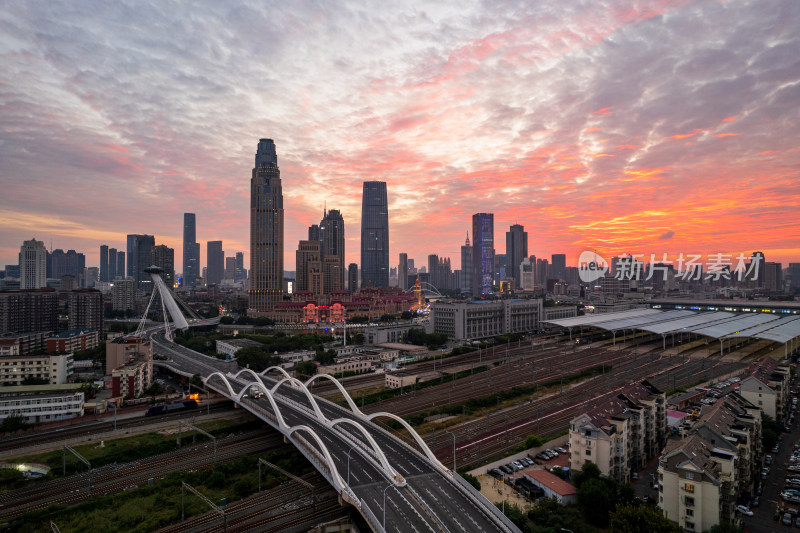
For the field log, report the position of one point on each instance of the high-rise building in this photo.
(103, 262)
(215, 260)
(466, 267)
(332, 277)
(558, 268)
(191, 251)
(140, 251)
(22, 311)
(482, 253)
(86, 310)
(32, 265)
(516, 251)
(314, 233)
(164, 258)
(374, 235)
(266, 231)
(69, 263)
(331, 232)
(527, 274)
(307, 259)
(112, 263)
(352, 277)
(121, 264)
(793, 273)
(239, 272)
(123, 294)
(402, 272)
(230, 268)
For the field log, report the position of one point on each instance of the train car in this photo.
(171, 407)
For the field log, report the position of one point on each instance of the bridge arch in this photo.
(248, 371)
(347, 397)
(314, 404)
(278, 415)
(421, 443)
(278, 368)
(224, 380)
(387, 468)
(338, 482)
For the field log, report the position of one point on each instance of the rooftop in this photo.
(551, 481)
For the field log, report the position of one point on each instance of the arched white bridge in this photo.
(369, 446)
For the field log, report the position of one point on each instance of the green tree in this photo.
(13, 423)
(597, 498)
(256, 358)
(197, 381)
(227, 320)
(307, 368)
(154, 389)
(640, 519)
(724, 527)
(588, 471)
(769, 431)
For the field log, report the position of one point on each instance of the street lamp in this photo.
(348, 465)
(454, 448)
(389, 486)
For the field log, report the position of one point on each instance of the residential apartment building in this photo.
(765, 384)
(622, 434)
(73, 340)
(55, 368)
(707, 464)
(481, 319)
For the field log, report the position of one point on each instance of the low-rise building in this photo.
(552, 485)
(73, 340)
(55, 368)
(23, 343)
(231, 346)
(357, 365)
(123, 350)
(396, 380)
(131, 379)
(42, 403)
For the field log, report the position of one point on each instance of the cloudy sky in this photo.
(610, 125)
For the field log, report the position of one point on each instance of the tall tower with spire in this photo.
(266, 231)
(466, 267)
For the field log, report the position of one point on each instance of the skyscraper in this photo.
(516, 251)
(307, 261)
(466, 267)
(239, 272)
(112, 264)
(163, 257)
(191, 251)
(331, 232)
(352, 277)
(121, 264)
(140, 250)
(32, 265)
(266, 231)
(374, 235)
(402, 272)
(482, 253)
(104, 262)
(558, 268)
(215, 260)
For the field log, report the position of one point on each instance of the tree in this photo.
(597, 498)
(197, 381)
(227, 320)
(154, 389)
(588, 471)
(255, 358)
(724, 527)
(640, 519)
(769, 431)
(13, 423)
(307, 368)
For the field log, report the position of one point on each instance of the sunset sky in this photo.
(615, 126)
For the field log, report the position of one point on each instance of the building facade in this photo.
(402, 272)
(482, 253)
(331, 232)
(477, 320)
(266, 231)
(352, 277)
(55, 368)
(22, 311)
(191, 251)
(86, 310)
(466, 267)
(32, 265)
(374, 235)
(516, 251)
(215, 259)
(42, 403)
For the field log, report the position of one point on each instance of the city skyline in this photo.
(663, 127)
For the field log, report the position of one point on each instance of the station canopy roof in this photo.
(717, 325)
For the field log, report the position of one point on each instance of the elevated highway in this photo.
(394, 486)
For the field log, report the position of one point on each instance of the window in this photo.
(689, 475)
(689, 512)
(588, 452)
(689, 502)
(688, 487)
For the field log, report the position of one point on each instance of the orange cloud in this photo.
(720, 135)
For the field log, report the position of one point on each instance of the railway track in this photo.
(110, 479)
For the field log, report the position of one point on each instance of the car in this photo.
(635, 476)
(797, 522)
(787, 519)
(560, 450)
(759, 489)
(527, 461)
(792, 512)
(517, 465)
(745, 510)
(768, 459)
(494, 472)
(776, 448)
(756, 502)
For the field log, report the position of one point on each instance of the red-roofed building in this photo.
(553, 486)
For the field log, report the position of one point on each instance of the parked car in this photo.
(744, 510)
(494, 472)
(787, 519)
(517, 465)
(506, 469)
(768, 460)
(560, 450)
(756, 502)
(635, 476)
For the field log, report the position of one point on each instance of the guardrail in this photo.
(370, 517)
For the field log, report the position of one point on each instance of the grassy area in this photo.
(151, 507)
(127, 449)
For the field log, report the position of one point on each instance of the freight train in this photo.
(170, 407)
